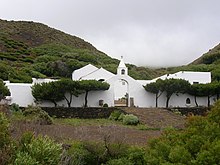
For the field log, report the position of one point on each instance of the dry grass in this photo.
(96, 130)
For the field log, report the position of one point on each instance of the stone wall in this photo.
(191, 110)
(86, 113)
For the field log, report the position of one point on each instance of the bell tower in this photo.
(122, 69)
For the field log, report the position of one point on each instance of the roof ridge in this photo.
(89, 73)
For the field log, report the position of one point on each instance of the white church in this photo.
(123, 91)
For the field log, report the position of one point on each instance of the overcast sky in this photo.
(146, 32)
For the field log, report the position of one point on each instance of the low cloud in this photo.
(146, 32)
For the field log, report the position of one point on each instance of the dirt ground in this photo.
(156, 119)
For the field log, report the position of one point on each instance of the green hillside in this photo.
(208, 62)
(29, 49)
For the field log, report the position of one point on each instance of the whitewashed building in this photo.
(123, 91)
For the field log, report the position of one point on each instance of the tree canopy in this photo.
(92, 85)
(69, 88)
(155, 88)
(51, 91)
(170, 86)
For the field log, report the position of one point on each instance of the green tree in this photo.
(172, 86)
(216, 91)
(4, 91)
(204, 90)
(196, 91)
(155, 88)
(92, 85)
(48, 91)
(209, 91)
(69, 88)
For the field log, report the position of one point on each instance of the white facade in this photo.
(122, 87)
(192, 77)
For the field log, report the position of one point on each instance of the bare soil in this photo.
(153, 118)
(157, 117)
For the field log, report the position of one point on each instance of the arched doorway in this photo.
(121, 93)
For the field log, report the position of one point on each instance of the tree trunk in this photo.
(69, 101)
(167, 102)
(217, 96)
(55, 104)
(156, 100)
(196, 101)
(208, 101)
(86, 101)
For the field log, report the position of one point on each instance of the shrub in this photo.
(79, 155)
(105, 105)
(120, 118)
(130, 119)
(45, 150)
(115, 115)
(6, 149)
(179, 154)
(120, 161)
(4, 132)
(23, 158)
(136, 155)
(38, 115)
(15, 108)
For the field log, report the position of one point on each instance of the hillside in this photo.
(208, 62)
(29, 49)
(212, 56)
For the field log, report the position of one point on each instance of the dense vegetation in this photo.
(198, 143)
(29, 49)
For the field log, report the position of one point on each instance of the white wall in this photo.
(21, 94)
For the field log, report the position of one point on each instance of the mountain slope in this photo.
(212, 56)
(208, 62)
(29, 49)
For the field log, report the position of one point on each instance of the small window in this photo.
(188, 101)
(122, 71)
(101, 80)
(195, 82)
(123, 83)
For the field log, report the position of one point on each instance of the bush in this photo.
(115, 115)
(79, 155)
(179, 154)
(4, 132)
(38, 115)
(23, 158)
(44, 150)
(105, 105)
(130, 119)
(39, 150)
(15, 108)
(6, 150)
(121, 117)
(120, 161)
